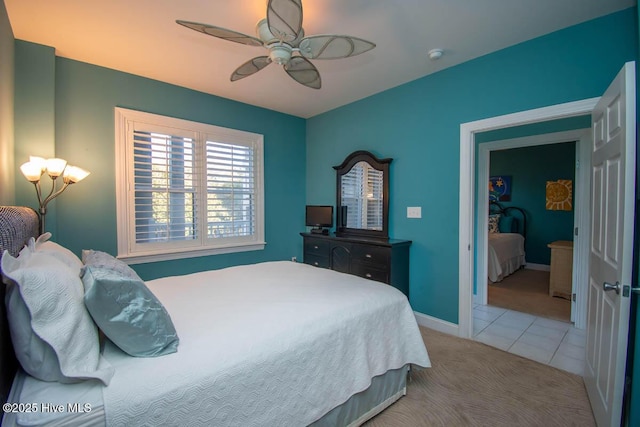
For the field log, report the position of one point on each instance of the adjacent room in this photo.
(276, 212)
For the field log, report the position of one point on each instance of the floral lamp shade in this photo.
(559, 195)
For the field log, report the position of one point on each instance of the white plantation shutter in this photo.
(230, 190)
(165, 201)
(374, 199)
(351, 194)
(362, 194)
(186, 188)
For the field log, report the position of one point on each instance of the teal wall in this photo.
(34, 116)
(530, 168)
(418, 125)
(67, 107)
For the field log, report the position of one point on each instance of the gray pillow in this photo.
(128, 313)
(52, 292)
(103, 259)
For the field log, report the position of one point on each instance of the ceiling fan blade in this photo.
(250, 67)
(304, 72)
(284, 18)
(222, 33)
(332, 46)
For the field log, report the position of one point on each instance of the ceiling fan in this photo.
(282, 34)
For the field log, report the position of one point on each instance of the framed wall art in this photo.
(500, 188)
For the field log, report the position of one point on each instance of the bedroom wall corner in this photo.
(66, 107)
(418, 125)
(34, 118)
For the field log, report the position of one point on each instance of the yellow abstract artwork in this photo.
(559, 195)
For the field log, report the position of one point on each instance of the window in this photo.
(186, 189)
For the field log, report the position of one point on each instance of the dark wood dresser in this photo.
(385, 261)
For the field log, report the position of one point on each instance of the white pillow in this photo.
(53, 293)
(43, 244)
(36, 357)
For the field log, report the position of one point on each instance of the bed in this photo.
(274, 343)
(507, 233)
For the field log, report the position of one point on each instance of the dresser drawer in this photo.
(370, 254)
(317, 247)
(383, 261)
(317, 260)
(368, 272)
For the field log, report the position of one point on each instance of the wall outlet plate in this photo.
(414, 212)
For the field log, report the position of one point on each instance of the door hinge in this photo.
(573, 297)
(575, 231)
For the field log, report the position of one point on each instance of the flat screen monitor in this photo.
(319, 216)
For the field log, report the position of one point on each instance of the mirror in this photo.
(362, 194)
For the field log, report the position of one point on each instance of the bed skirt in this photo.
(384, 391)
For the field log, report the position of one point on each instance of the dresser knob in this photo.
(368, 275)
(315, 247)
(368, 255)
(315, 263)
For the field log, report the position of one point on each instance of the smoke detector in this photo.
(435, 54)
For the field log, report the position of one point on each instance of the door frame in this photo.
(466, 244)
(582, 138)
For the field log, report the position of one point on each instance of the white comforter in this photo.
(505, 253)
(271, 344)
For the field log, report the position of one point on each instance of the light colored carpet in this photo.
(527, 291)
(472, 384)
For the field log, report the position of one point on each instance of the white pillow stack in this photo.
(44, 281)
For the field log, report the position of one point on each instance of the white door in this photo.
(612, 217)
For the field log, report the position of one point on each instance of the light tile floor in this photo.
(548, 341)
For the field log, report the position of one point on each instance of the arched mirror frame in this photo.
(344, 168)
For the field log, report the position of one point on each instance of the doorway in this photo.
(467, 238)
(536, 243)
(613, 168)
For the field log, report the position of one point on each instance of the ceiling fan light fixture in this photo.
(263, 33)
(282, 34)
(280, 53)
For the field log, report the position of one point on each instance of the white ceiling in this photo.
(141, 37)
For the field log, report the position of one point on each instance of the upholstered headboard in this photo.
(17, 225)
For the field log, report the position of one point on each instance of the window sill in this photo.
(141, 258)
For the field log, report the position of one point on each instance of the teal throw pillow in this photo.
(128, 313)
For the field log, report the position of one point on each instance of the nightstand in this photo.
(560, 279)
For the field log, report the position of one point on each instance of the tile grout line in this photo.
(520, 336)
(535, 318)
(558, 348)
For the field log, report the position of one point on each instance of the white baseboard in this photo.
(541, 267)
(436, 324)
